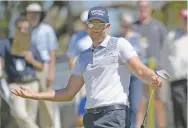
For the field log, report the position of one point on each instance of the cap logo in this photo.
(98, 12)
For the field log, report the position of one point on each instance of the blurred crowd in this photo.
(29, 60)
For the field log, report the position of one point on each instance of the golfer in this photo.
(104, 68)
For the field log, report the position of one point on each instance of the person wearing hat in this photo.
(174, 57)
(135, 89)
(104, 68)
(44, 37)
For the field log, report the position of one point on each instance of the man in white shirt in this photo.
(44, 38)
(104, 70)
(174, 57)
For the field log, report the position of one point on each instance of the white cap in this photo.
(34, 7)
(84, 16)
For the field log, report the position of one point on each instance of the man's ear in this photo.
(108, 25)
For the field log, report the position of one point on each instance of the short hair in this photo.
(149, 1)
(22, 18)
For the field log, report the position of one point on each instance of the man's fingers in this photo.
(22, 93)
(22, 88)
(14, 92)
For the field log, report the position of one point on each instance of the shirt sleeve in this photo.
(125, 49)
(72, 49)
(52, 40)
(77, 70)
(45, 40)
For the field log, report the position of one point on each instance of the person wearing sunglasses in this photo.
(105, 68)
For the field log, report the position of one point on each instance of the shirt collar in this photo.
(104, 43)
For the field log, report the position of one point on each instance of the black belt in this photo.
(106, 109)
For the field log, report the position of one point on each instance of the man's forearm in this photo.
(140, 70)
(72, 61)
(54, 95)
(52, 62)
(37, 65)
(145, 74)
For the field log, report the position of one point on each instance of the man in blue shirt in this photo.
(21, 71)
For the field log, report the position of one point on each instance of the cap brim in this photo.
(97, 18)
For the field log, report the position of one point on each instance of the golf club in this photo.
(163, 74)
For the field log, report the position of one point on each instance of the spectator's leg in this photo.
(19, 111)
(32, 105)
(179, 98)
(160, 105)
(161, 114)
(135, 93)
(142, 105)
(46, 118)
(70, 120)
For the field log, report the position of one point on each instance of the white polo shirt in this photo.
(105, 74)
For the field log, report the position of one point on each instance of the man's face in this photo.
(23, 26)
(145, 9)
(124, 26)
(97, 30)
(34, 18)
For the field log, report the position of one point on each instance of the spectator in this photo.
(21, 71)
(43, 36)
(154, 33)
(174, 57)
(135, 88)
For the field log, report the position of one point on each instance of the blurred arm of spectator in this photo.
(30, 59)
(51, 67)
(53, 44)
